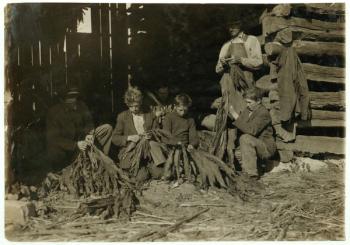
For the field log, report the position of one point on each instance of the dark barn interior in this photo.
(143, 44)
(146, 45)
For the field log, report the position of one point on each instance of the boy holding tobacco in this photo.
(180, 125)
(182, 132)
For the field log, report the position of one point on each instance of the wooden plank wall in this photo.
(39, 71)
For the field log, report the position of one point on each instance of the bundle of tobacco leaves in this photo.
(198, 166)
(219, 143)
(113, 205)
(95, 175)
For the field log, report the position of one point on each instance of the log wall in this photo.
(317, 33)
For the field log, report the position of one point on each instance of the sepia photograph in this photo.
(174, 122)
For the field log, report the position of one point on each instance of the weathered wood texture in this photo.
(319, 48)
(271, 24)
(300, 33)
(321, 123)
(324, 119)
(323, 100)
(329, 9)
(318, 73)
(315, 144)
(307, 48)
(328, 100)
(324, 73)
(328, 115)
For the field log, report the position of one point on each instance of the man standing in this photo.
(237, 59)
(70, 128)
(256, 140)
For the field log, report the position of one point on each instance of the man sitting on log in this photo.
(237, 59)
(70, 128)
(133, 133)
(256, 140)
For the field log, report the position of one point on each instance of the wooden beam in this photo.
(307, 48)
(318, 73)
(328, 115)
(329, 9)
(321, 123)
(324, 73)
(315, 144)
(325, 100)
(319, 48)
(325, 119)
(271, 24)
(321, 101)
(300, 33)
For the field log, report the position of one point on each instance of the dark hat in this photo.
(235, 23)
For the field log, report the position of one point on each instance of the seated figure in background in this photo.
(160, 102)
(70, 129)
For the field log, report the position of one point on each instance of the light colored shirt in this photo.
(138, 123)
(252, 46)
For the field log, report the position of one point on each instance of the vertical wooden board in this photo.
(120, 54)
(37, 103)
(25, 112)
(45, 69)
(72, 56)
(95, 18)
(105, 64)
(113, 12)
(105, 85)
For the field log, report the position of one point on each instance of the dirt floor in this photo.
(301, 200)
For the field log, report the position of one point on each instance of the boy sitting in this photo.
(180, 125)
(183, 137)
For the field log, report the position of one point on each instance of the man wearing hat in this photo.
(70, 129)
(237, 59)
(247, 55)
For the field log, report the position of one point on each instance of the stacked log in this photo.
(317, 32)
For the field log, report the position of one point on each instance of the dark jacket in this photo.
(66, 126)
(125, 127)
(182, 129)
(258, 124)
(292, 86)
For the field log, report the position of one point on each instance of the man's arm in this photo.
(254, 126)
(192, 134)
(254, 59)
(89, 124)
(118, 137)
(222, 55)
(54, 136)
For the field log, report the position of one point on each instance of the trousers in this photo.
(250, 149)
